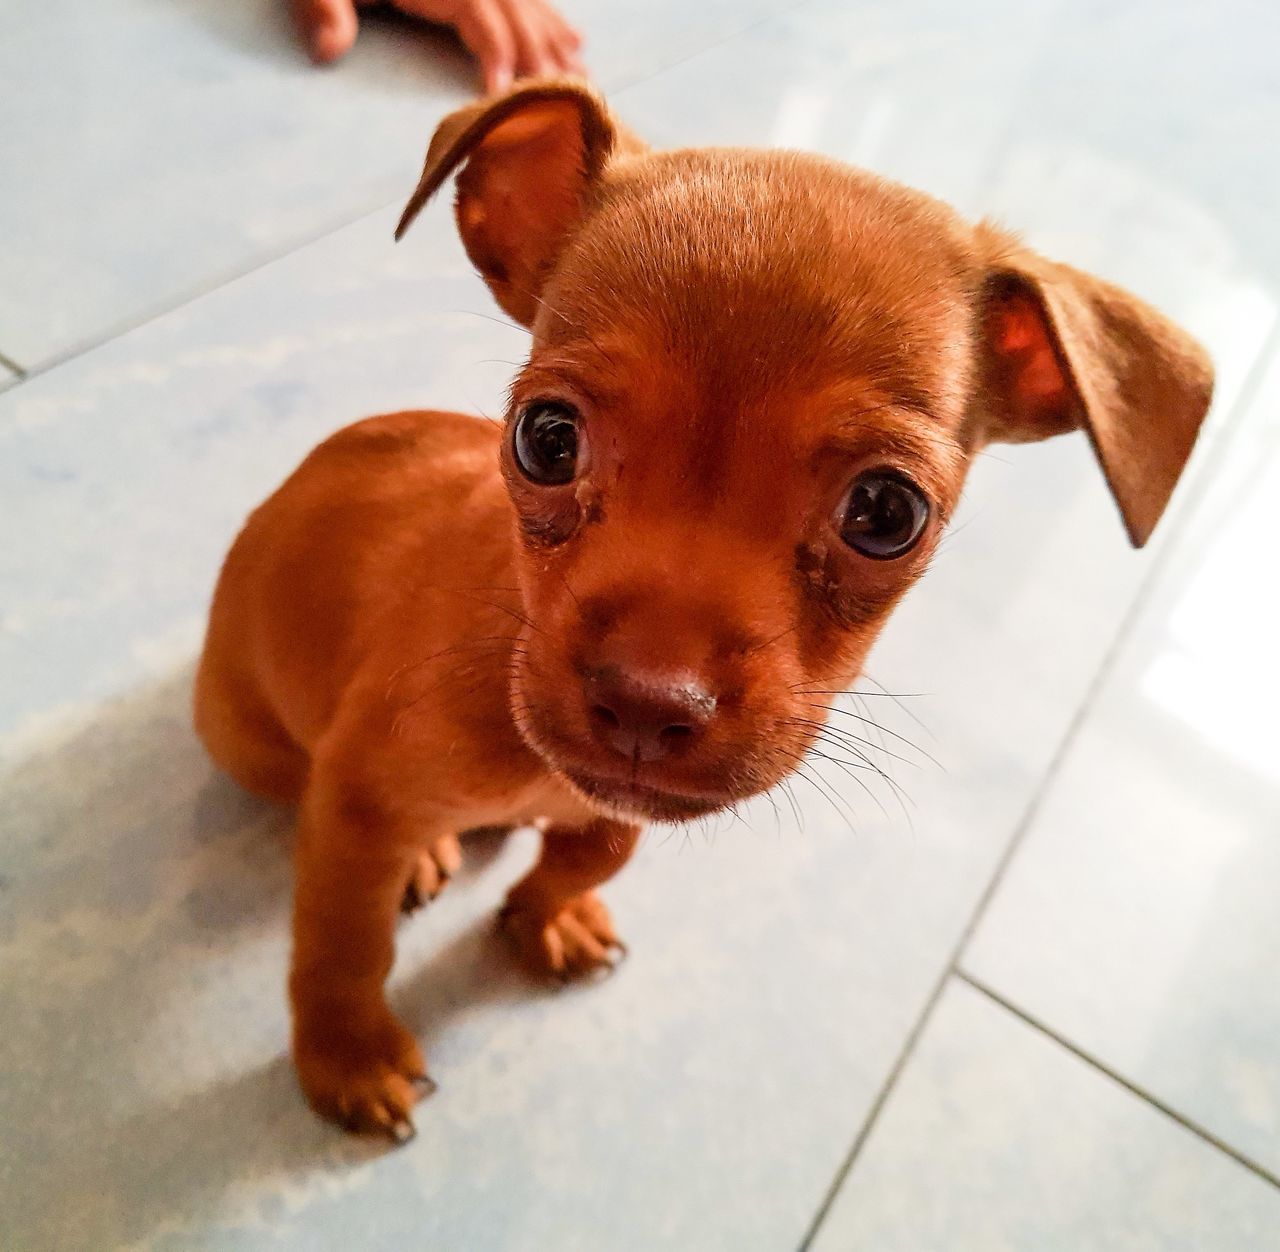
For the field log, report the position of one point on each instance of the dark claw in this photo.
(426, 1085)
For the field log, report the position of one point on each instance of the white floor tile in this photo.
(1140, 916)
(151, 150)
(997, 1140)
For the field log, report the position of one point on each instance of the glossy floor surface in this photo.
(1034, 1006)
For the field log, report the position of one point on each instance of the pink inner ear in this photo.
(518, 194)
(1020, 335)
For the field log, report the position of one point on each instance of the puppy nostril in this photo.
(645, 717)
(605, 716)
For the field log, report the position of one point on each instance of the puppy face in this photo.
(728, 462)
(755, 386)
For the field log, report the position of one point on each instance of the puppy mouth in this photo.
(636, 799)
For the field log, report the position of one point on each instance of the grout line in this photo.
(1176, 525)
(1024, 824)
(261, 261)
(905, 1053)
(1119, 1079)
(216, 282)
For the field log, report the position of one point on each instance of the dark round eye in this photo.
(884, 516)
(546, 443)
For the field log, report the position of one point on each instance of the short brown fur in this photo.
(410, 638)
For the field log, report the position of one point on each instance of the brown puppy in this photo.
(756, 383)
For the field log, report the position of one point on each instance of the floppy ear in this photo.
(1068, 351)
(533, 157)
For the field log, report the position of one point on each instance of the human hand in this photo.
(509, 38)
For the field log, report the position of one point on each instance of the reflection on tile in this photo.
(199, 142)
(1139, 919)
(925, 102)
(995, 1138)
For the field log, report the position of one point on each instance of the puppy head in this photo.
(756, 383)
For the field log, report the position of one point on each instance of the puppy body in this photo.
(756, 383)
(377, 574)
(356, 663)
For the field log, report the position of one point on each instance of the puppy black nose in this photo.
(646, 717)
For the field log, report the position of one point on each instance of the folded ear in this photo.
(533, 157)
(1068, 351)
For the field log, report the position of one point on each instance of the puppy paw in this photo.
(367, 1080)
(577, 942)
(431, 872)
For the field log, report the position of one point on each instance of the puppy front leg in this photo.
(357, 1064)
(559, 924)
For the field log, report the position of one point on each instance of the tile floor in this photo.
(1039, 1011)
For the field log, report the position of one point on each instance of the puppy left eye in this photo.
(547, 443)
(883, 515)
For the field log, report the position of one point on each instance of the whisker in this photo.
(491, 317)
(478, 647)
(900, 795)
(570, 590)
(941, 441)
(777, 816)
(785, 787)
(412, 666)
(866, 712)
(523, 618)
(797, 762)
(800, 689)
(867, 721)
(782, 634)
(828, 793)
(848, 769)
(848, 739)
(897, 699)
(582, 330)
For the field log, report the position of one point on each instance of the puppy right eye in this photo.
(883, 515)
(547, 443)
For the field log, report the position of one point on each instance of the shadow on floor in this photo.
(143, 946)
